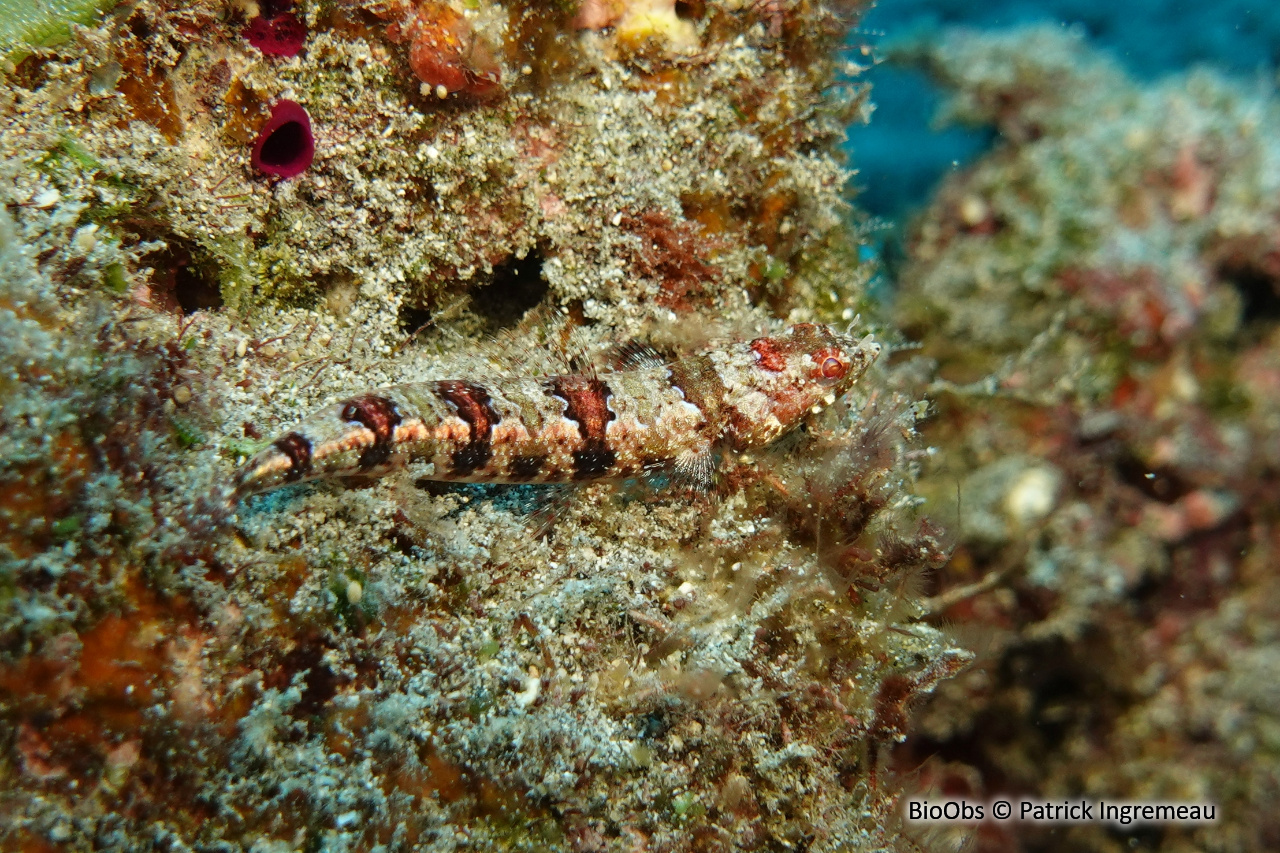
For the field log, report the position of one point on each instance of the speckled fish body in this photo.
(575, 427)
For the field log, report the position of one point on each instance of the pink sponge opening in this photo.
(285, 146)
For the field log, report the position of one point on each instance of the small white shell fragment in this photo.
(85, 238)
(1032, 495)
(532, 686)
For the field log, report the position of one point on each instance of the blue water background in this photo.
(900, 157)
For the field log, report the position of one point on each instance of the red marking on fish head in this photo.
(801, 371)
(770, 354)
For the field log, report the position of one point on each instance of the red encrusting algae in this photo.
(276, 31)
(446, 54)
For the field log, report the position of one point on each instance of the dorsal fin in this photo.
(543, 343)
(580, 363)
(636, 354)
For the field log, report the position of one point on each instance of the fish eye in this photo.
(833, 368)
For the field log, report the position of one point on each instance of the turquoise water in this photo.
(900, 157)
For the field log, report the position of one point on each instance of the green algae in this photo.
(186, 433)
(25, 25)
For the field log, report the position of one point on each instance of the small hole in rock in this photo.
(271, 8)
(194, 290)
(1157, 483)
(140, 27)
(515, 287)
(181, 281)
(690, 10)
(1258, 289)
(413, 318)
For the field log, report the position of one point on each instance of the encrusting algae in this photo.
(405, 664)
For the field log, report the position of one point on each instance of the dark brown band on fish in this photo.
(587, 404)
(473, 404)
(526, 467)
(590, 464)
(769, 355)
(468, 460)
(379, 415)
(296, 446)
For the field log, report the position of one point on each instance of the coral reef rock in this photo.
(1097, 302)
(405, 664)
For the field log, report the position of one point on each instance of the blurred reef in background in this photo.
(1097, 301)
(904, 153)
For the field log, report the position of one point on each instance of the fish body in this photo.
(575, 427)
